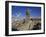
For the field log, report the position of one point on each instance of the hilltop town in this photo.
(26, 23)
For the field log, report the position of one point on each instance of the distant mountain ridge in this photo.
(21, 18)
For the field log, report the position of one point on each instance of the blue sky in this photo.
(34, 11)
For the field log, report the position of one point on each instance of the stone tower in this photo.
(27, 14)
